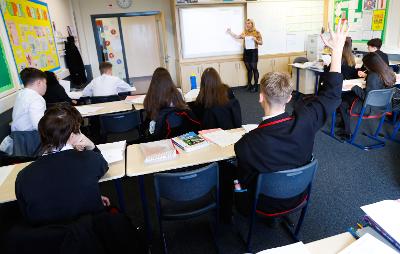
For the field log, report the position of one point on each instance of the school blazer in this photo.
(289, 144)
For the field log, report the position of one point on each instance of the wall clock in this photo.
(124, 4)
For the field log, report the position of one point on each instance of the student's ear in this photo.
(261, 99)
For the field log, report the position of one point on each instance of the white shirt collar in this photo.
(65, 148)
(271, 116)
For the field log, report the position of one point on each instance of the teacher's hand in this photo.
(228, 30)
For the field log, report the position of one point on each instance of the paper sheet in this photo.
(4, 172)
(296, 248)
(348, 84)
(222, 138)
(75, 95)
(66, 85)
(249, 127)
(368, 244)
(113, 152)
(249, 42)
(386, 215)
(367, 20)
(192, 95)
(84, 110)
(136, 99)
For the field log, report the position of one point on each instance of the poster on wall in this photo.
(30, 34)
(366, 18)
(6, 81)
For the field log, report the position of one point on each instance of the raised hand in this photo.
(338, 38)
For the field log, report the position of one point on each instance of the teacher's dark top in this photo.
(61, 186)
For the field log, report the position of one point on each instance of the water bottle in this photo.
(193, 82)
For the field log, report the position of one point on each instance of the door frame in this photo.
(163, 41)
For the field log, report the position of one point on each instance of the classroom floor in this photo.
(347, 178)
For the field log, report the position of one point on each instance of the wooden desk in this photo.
(211, 153)
(108, 108)
(348, 84)
(7, 189)
(331, 245)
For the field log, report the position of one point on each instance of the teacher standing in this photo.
(252, 38)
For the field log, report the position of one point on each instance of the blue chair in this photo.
(380, 100)
(395, 114)
(186, 195)
(283, 185)
(122, 123)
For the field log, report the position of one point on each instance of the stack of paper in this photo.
(192, 95)
(75, 95)
(66, 85)
(222, 138)
(158, 151)
(249, 127)
(296, 248)
(4, 172)
(368, 244)
(113, 152)
(348, 84)
(85, 110)
(387, 215)
(136, 99)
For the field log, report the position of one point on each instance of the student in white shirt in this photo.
(106, 84)
(29, 106)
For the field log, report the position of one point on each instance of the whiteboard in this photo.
(285, 24)
(203, 31)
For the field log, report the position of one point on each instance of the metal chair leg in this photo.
(120, 193)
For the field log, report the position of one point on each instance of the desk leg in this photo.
(145, 208)
(120, 193)
(297, 83)
(316, 83)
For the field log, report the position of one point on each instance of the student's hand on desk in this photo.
(362, 74)
(106, 202)
(84, 143)
(74, 102)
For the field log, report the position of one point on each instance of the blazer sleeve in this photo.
(243, 152)
(373, 82)
(319, 109)
(102, 165)
(20, 198)
(62, 95)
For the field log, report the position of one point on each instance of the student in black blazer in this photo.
(284, 141)
(374, 46)
(55, 93)
(61, 189)
(380, 76)
(216, 105)
(167, 114)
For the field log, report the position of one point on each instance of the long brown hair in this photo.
(347, 54)
(374, 63)
(212, 91)
(162, 93)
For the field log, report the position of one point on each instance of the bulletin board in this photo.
(367, 18)
(30, 34)
(6, 81)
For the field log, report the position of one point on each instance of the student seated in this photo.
(349, 70)
(216, 105)
(60, 198)
(55, 93)
(374, 45)
(167, 114)
(284, 141)
(106, 84)
(380, 76)
(28, 109)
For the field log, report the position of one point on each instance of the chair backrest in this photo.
(288, 183)
(396, 100)
(300, 59)
(102, 99)
(186, 186)
(380, 98)
(120, 122)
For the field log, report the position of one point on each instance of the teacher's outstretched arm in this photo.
(236, 36)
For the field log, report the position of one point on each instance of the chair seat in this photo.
(183, 210)
(284, 212)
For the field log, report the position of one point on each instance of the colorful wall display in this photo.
(6, 82)
(30, 34)
(367, 18)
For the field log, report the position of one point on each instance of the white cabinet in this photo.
(233, 73)
(281, 64)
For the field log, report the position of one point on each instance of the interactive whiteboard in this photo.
(203, 30)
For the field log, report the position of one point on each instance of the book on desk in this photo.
(190, 142)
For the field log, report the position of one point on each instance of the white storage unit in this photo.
(314, 45)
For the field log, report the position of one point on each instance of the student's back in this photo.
(55, 93)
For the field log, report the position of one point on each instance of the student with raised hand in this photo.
(216, 105)
(162, 100)
(284, 141)
(380, 76)
(61, 188)
(106, 84)
(55, 93)
(374, 46)
(29, 106)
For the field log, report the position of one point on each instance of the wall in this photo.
(83, 9)
(392, 37)
(61, 14)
